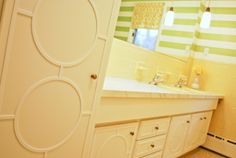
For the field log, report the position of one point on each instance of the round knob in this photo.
(205, 118)
(131, 133)
(152, 145)
(94, 76)
(188, 121)
(156, 127)
(201, 118)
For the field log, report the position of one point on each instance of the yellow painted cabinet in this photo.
(54, 60)
(176, 136)
(206, 123)
(114, 141)
(198, 130)
(194, 132)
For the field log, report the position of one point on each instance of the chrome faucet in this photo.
(158, 78)
(182, 81)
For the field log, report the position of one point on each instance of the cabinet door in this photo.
(47, 88)
(205, 126)
(114, 141)
(198, 130)
(176, 136)
(194, 133)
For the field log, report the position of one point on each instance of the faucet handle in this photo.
(182, 81)
(158, 78)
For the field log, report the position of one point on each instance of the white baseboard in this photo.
(221, 145)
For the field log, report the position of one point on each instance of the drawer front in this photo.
(152, 128)
(148, 146)
(155, 155)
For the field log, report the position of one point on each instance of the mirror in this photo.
(175, 40)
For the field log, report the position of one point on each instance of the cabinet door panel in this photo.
(114, 141)
(205, 126)
(176, 136)
(46, 89)
(194, 134)
(198, 130)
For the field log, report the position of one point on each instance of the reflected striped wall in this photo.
(220, 39)
(171, 40)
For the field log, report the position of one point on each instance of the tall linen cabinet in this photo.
(53, 58)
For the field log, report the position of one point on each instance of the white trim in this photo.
(7, 117)
(176, 39)
(218, 44)
(215, 58)
(220, 146)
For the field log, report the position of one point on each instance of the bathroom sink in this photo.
(118, 84)
(181, 90)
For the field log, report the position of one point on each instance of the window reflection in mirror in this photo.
(146, 38)
(145, 24)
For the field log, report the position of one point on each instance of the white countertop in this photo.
(118, 87)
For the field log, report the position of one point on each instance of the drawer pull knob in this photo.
(188, 121)
(205, 118)
(201, 118)
(152, 145)
(131, 133)
(94, 76)
(156, 127)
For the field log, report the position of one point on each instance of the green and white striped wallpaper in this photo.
(219, 39)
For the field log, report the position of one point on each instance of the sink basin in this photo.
(119, 84)
(182, 89)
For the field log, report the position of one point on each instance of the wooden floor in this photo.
(201, 153)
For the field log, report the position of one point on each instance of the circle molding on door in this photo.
(68, 131)
(57, 53)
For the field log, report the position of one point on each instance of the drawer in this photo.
(151, 128)
(149, 146)
(155, 155)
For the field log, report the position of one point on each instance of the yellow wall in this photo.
(125, 57)
(221, 77)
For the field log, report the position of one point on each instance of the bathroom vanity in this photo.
(139, 120)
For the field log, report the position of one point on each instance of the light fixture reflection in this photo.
(170, 16)
(206, 19)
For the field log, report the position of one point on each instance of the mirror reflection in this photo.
(162, 26)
